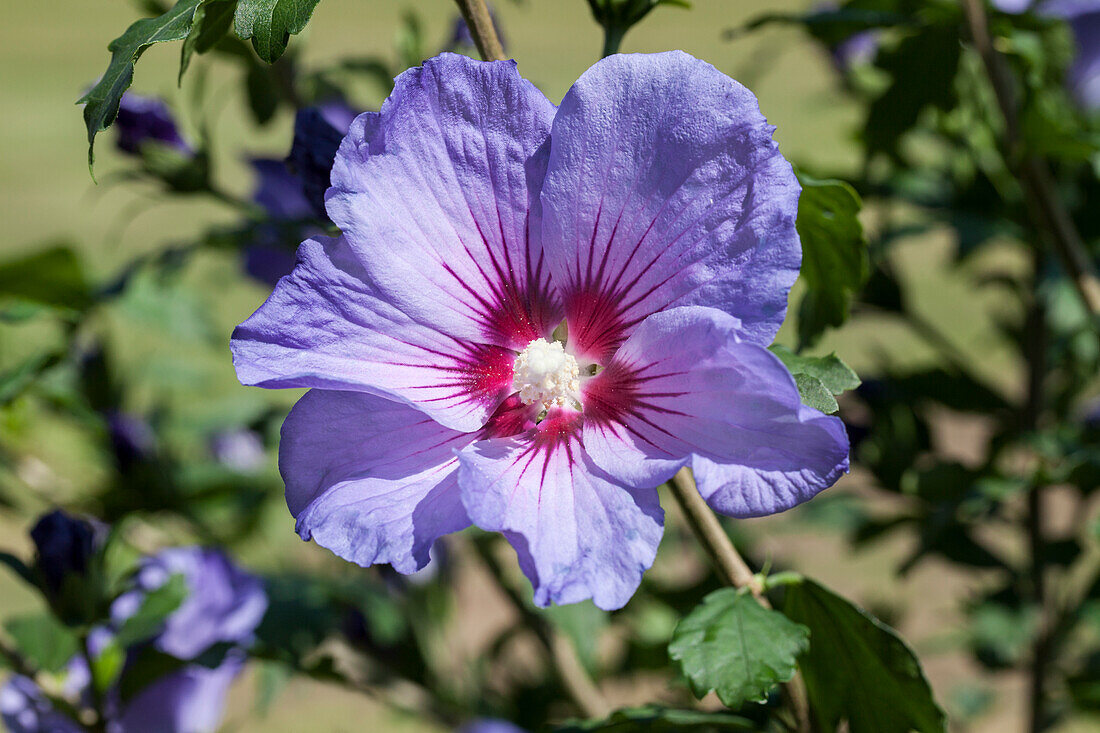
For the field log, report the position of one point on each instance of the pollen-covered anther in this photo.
(546, 374)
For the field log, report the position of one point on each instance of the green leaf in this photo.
(819, 378)
(858, 669)
(731, 644)
(270, 23)
(815, 394)
(146, 665)
(834, 254)
(107, 666)
(263, 97)
(101, 103)
(53, 277)
(271, 679)
(16, 380)
(654, 719)
(154, 609)
(46, 643)
(834, 374)
(213, 19)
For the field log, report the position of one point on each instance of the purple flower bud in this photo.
(143, 119)
(317, 135)
(279, 192)
(65, 545)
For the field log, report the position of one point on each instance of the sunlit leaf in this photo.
(731, 644)
(270, 23)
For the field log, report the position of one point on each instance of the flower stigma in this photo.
(546, 374)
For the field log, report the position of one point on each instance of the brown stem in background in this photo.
(482, 29)
(1049, 217)
(1044, 206)
(734, 570)
(729, 563)
(571, 672)
(1035, 345)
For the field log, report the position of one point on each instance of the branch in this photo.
(482, 29)
(734, 571)
(1044, 205)
(574, 678)
(731, 566)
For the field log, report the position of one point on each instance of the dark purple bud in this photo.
(270, 254)
(317, 135)
(268, 262)
(143, 119)
(279, 191)
(65, 547)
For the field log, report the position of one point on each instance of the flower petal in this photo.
(224, 602)
(664, 187)
(327, 326)
(370, 479)
(190, 700)
(436, 201)
(578, 533)
(683, 386)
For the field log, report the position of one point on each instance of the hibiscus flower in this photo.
(536, 315)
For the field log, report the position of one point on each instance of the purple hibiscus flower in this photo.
(652, 212)
(146, 119)
(224, 605)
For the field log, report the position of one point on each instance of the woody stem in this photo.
(482, 29)
(733, 569)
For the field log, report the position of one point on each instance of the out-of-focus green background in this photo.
(50, 51)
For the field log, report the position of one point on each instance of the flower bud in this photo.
(146, 119)
(67, 561)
